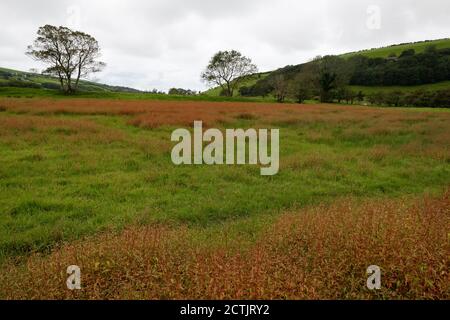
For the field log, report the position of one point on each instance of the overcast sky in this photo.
(166, 43)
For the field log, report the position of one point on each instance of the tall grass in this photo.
(321, 252)
(71, 168)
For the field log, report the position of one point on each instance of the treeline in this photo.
(11, 79)
(408, 69)
(429, 99)
(324, 77)
(182, 92)
(328, 78)
(22, 84)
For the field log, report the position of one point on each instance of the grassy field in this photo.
(385, 52)
(12, 92)
(90, 181)
(42, 80)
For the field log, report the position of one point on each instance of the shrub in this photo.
(429, 99)
(20, 84)
(51, 85)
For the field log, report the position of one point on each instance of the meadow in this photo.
(90, 182)
(30, 93)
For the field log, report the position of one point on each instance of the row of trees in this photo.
(326, 77)
(305, 87)
(182, 92)
(430, 99)
(410, 68)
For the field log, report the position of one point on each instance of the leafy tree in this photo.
(228, 69)
(360, 96)
(429, 99)
(350, 96)
(394, 98)
(261, 88)
(333, 73)
(430, 66)
(301, 87)
(408, 53)
(245, 91)
(181, 92)
(70, 55)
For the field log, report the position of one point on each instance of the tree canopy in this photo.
(69, 55)
(227, 69)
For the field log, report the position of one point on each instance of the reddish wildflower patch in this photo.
(157, 113)
(317, 253)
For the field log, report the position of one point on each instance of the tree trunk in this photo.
(229, 90)
(78, 77)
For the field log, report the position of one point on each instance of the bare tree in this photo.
(227, 69)
(70, 55)
(280, 87)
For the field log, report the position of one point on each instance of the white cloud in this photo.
(163, 44)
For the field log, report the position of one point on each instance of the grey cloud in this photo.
(167, 43)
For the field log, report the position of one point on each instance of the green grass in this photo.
(398, 49)
(45, 79)
(60, 183)
(13, 92)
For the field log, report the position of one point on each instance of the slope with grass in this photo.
(383, 52)
(20, 79)
(246, 82)
(15, 92)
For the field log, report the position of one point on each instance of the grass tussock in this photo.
(321, 252)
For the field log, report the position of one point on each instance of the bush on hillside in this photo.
(20, 84)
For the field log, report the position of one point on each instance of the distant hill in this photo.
(397, 49)
(21, 79)
(383, 52)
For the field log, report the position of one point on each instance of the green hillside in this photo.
(385, 52)
(20, 79)
(248, 81)
(12, 82)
